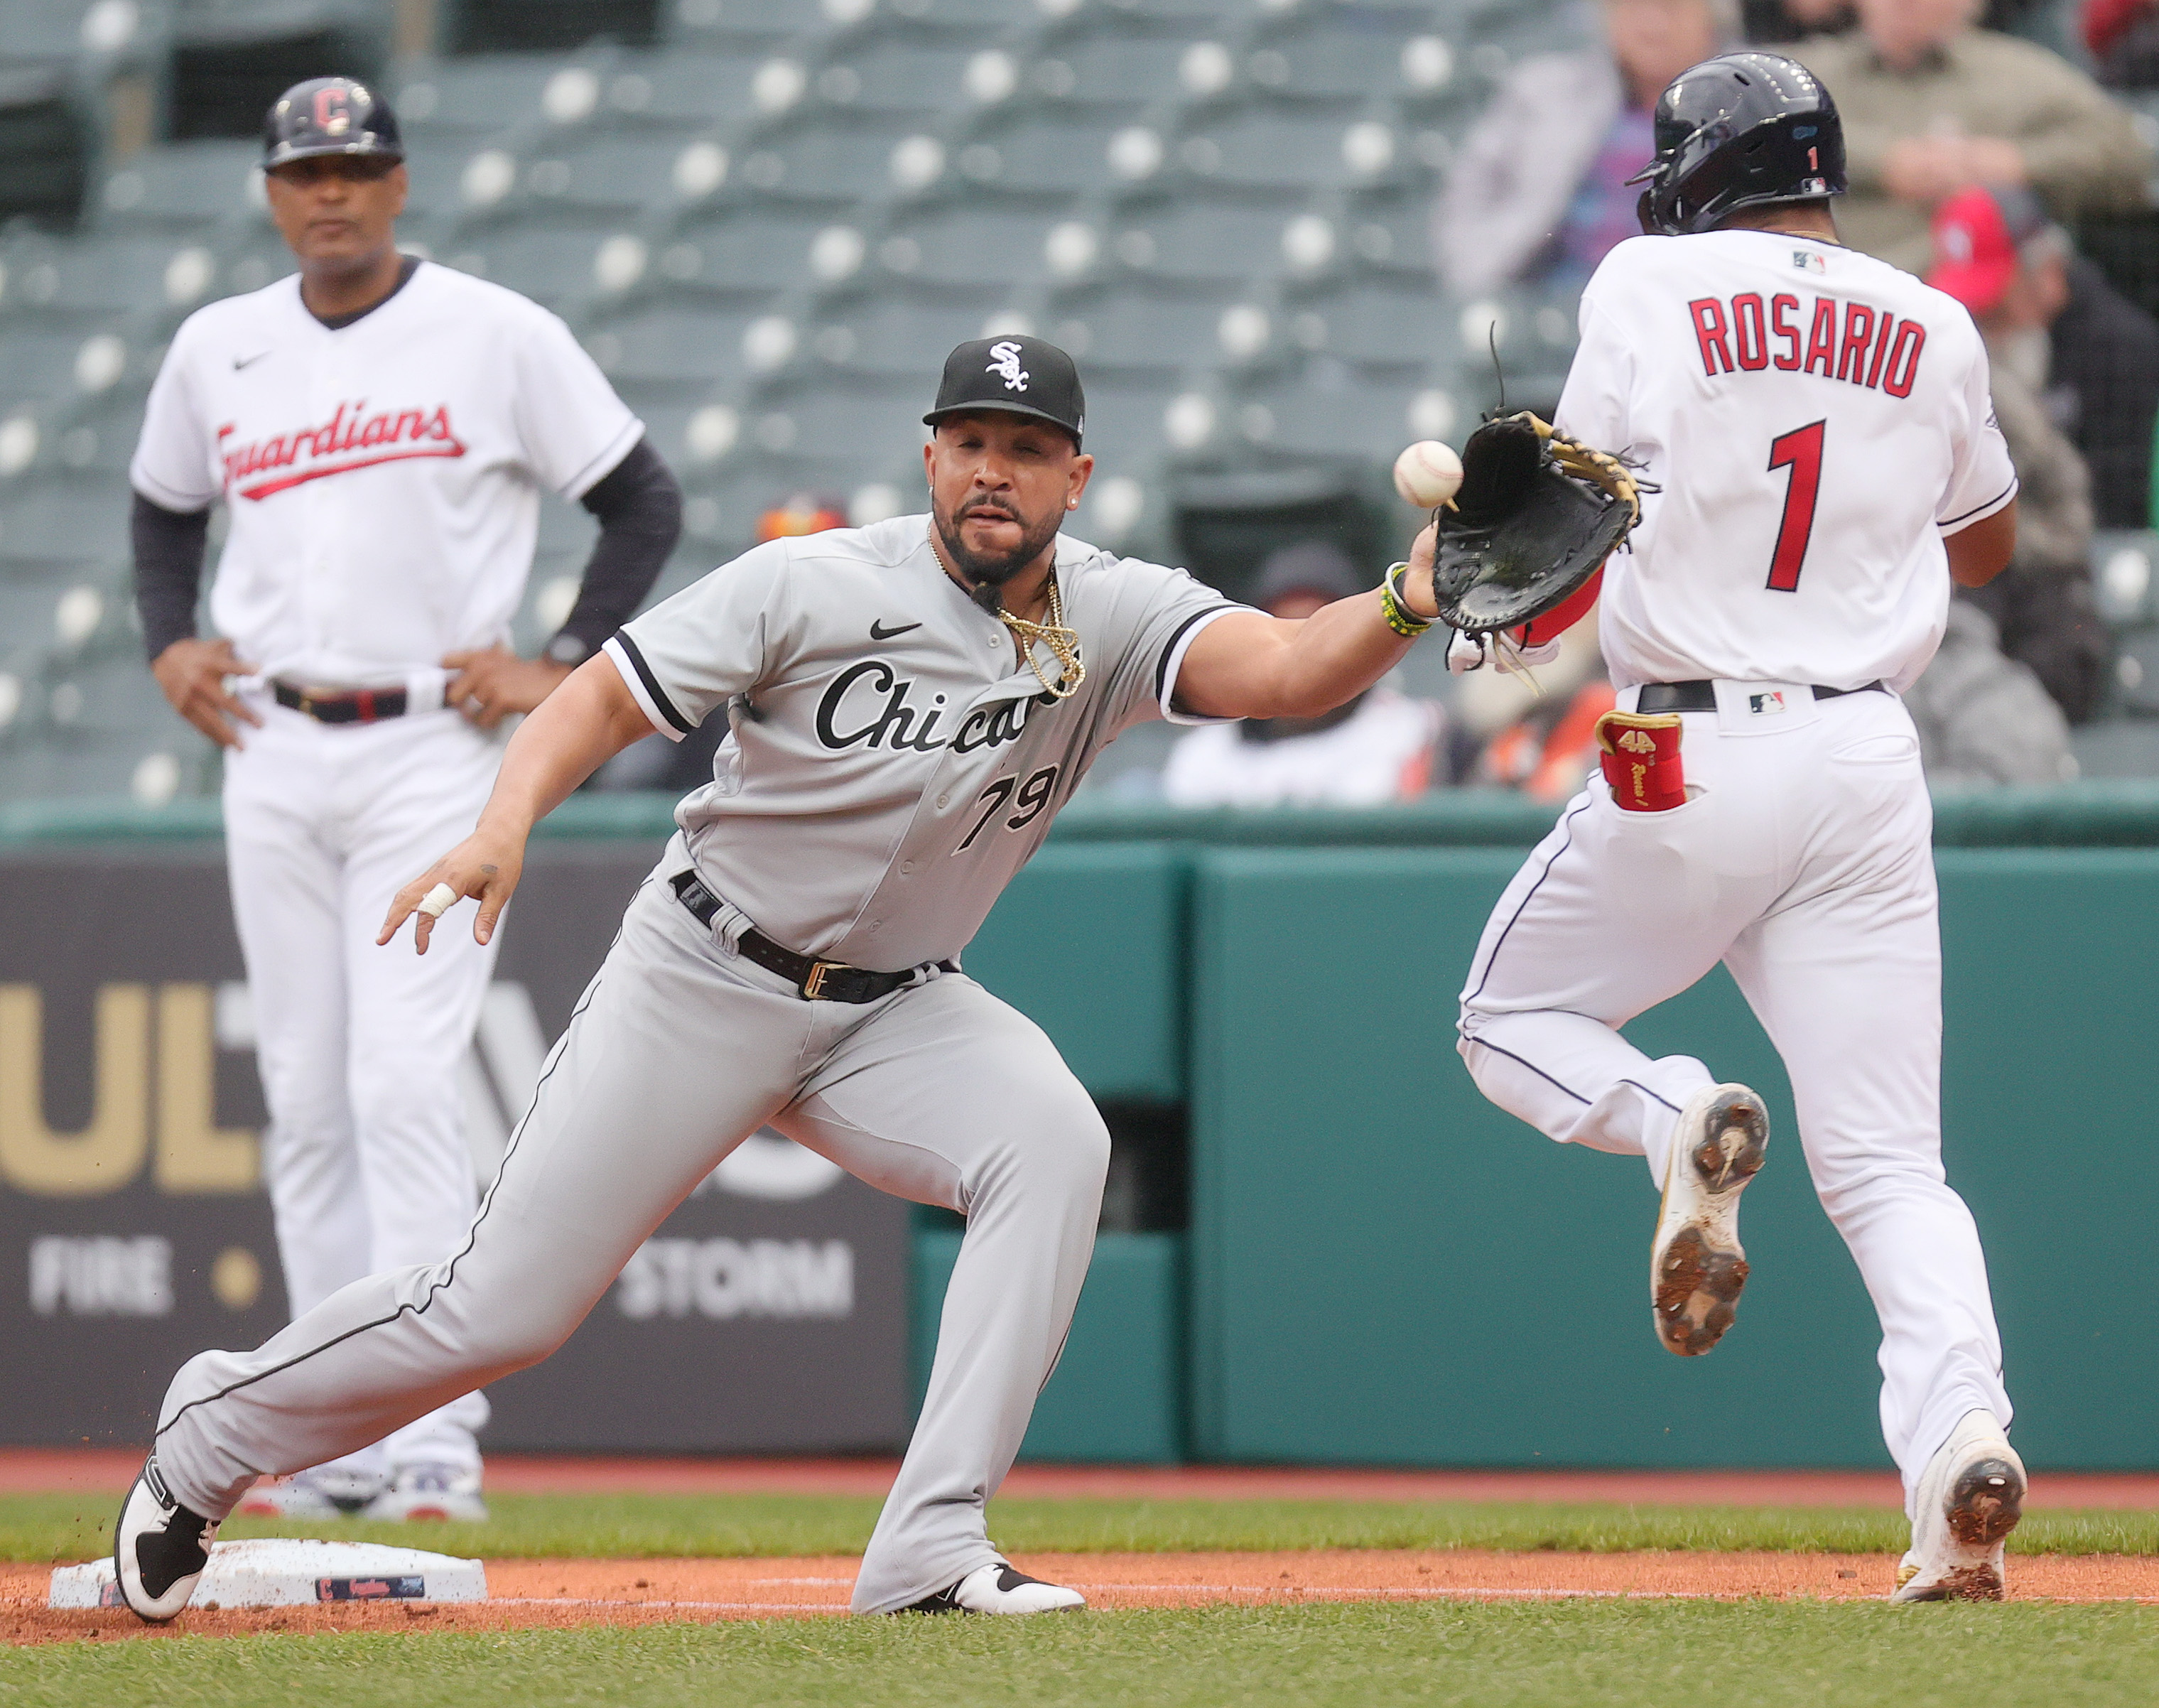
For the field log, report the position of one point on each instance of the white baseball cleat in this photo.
(1971, 1495)
(997, 1588)
(1696, 1265)
(311, 1497)
(429, 1492)
(159, 1548)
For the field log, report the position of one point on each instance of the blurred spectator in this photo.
(1379, 747)
(1540, 186)
(2123, 37)
(1931, 105)
(1998, 254)
(1773, 23)
(2051, 317)
(1539, 738)
(1982, 718)
(801, 513)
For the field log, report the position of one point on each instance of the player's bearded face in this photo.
(997, 499)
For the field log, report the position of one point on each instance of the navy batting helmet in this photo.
(1740, 131)
(329, 115)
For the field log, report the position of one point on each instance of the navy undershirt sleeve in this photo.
(640, 507)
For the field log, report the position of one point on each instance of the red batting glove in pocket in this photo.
(1640, 754)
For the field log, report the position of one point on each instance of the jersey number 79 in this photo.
(1028, 798)
(1800, 451)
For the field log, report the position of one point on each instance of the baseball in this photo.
(438, 901)
(1427, 474)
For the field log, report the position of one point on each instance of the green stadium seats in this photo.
(671, 346)
(179, 187)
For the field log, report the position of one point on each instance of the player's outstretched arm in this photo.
(1247, 665)
(570, 735)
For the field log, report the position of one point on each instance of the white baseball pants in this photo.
(679, 1050)
(1804, 864)
(365, 1156)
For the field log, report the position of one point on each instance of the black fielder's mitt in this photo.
(1535, 516)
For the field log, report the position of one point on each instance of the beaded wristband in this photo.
(1400, 618)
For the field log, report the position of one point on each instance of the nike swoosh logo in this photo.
(239, 362)
(878, 632)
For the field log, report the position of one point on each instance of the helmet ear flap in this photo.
(1646, 212)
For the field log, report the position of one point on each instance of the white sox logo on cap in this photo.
(1004, 363)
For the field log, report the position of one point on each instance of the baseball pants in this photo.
(1805, 864)
(365, 1156)
(677, 1052)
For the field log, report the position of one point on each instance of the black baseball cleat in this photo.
(1697, 1267)
(159, 1548)
(998, 1589)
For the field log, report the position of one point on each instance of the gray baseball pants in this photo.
(677, 1052)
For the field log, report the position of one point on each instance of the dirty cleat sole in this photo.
(1697, 1267)
(1970, 1497)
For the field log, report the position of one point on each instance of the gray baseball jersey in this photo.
(891, 763)
(887, 770)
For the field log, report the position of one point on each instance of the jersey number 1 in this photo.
(1800, 451)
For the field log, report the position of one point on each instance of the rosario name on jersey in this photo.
(382, 477)
(1816, 421)
(889, 765)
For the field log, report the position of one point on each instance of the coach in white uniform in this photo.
(379, 430)
(1819, 425)
(909, 705)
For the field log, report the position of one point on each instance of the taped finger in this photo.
(438, 901)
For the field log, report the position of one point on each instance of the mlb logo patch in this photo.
(1808, 261)
(1765, 705)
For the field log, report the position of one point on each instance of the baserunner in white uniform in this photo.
(379, 430)
(909, 705)
(1818, 425)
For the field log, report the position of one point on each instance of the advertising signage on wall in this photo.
(768, 1313)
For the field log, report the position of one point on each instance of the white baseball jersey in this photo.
(382, 479)
(1824, 408)
(1381, 752)
(891, 765)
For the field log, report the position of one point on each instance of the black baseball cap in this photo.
(329, 115)
(1013, 375)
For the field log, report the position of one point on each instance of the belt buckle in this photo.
(813, 981)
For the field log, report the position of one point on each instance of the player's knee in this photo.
(527, 1340)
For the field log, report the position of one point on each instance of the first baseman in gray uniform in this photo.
(910, 704)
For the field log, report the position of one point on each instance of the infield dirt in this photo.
(566, 1593)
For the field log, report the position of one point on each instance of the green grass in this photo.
(1611, 1654)
(51, 1527)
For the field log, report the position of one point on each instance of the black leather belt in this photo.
(342, 705)
(1702, 696)
(818, 980)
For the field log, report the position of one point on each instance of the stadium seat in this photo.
(899, 76)
(552, 264)
(907, 337)
(180, 187)
(1382, 326)
(1192, 239)
(679, 87)
(1122, 328)
(53, 522)
(972, 242)
(755, 23)
(671, 347)
(95, 276)
(1046, 152)
(746, 252)
(483, 95)
(603, 171)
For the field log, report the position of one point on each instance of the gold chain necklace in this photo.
(1063, 644)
